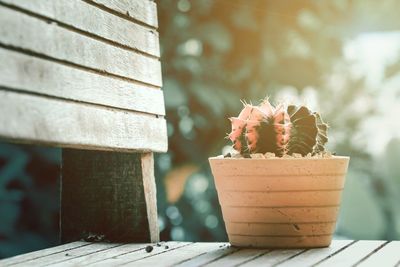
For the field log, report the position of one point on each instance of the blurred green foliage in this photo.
(29, 198)
(215, 53)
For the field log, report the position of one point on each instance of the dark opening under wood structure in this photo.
(85, 75)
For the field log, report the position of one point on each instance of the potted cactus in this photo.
(281, 189)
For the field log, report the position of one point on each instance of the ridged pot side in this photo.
(280, 202)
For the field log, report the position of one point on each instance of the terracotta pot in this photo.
(280, 202)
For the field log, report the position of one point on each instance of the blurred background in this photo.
(340, 57)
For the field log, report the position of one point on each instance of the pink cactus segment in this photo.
(238, 126)
(282, 134)
(258, 114)
(282, 126)
(267, 108)
(237, 145)
(252, 135)
(246, 111)
(281, 116)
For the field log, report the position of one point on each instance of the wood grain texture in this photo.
(274, 257)
(103, 255)
(144, 11)
(61, 257)
(239, 257)
(23, 32)
(39, 120)
(36, 255)
(312, 256)
(103, 194)
(170, 258)
(150, 194)
(387, 255)
(343, 253)
(224, 251)
(90, 19)
(32, 74)
(130, 259)
(353, 254)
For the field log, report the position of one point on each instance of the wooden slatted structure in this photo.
(343, 253)
(85, 75)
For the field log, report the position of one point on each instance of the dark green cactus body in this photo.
(308, 131)
(266, 133)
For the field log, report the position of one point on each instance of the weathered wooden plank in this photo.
(150, 195)
(144, 11)
(386, 256)
(274, 257)
(209, 257)
(352, 254)
(312, 256)
(20, 259)
(67, 255)
(239, 257)
(340, 253)
(141, 254)
(35, 119)
(102, 255)
(34, 35)
(172, 258)
(27, 73)
(103, 193)
(90, 19)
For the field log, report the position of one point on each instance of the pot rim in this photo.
(281, 158)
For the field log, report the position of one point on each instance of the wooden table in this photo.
(340, 253)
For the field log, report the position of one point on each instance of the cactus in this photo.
(280, 130)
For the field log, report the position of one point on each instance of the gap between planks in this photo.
(42, 253)
(68, 124)
(34, 75)
(120, 8)
(41, 56)
(340, 253)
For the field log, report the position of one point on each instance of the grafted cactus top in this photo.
(281, 130)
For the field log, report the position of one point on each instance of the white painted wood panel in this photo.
(35, 119)
(32, 34)
(91, 19)
(32, 74)
(142, 10)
